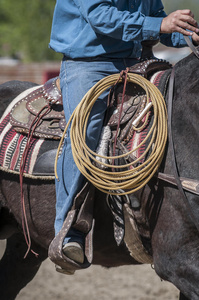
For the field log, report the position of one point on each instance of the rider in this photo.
(99, 38)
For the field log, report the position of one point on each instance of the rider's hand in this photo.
(195, 38)
(179, 21)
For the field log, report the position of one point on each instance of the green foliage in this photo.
(25, 29)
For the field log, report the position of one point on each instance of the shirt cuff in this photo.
(151, 28)
(178, 40)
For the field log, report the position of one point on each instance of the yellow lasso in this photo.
(134, 178)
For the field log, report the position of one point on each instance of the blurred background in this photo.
(24, 36)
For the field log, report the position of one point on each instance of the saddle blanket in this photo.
(160, 80)
(42, 152)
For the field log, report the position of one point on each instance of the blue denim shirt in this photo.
(110, 28)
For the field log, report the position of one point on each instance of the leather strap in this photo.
(188, 184)
(191, 46)
(173, 157)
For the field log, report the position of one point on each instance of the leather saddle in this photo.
(42, 110)
(44, 105)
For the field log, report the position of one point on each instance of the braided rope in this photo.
(114, 181)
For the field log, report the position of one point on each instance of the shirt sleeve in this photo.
(152, 23)
(107, 19)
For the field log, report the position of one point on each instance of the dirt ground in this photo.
(128, 282)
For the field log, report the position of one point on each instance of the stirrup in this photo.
(81, 218)
(55, 253)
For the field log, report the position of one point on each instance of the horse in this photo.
(162, 214)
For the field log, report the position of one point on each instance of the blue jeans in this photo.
(76, 78)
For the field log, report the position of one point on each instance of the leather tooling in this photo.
(27, 111)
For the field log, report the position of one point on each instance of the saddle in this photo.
(125, 227)
(45, 104)
(42, 112)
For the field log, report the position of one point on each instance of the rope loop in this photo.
(114, 178)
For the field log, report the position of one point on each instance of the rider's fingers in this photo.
(187, 12)
(183, 31)
(180, 21)
(186, 25)
(189, 20)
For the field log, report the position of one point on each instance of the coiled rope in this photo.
(112, 180)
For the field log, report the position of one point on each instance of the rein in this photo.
(190, 185)
(191, 46)
(25, 226)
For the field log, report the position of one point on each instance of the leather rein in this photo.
(182, 183)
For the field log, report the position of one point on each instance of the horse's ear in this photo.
(147, 49)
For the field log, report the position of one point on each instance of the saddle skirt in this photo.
(44, 106)
(14, 126)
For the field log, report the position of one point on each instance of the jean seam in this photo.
(66, 86)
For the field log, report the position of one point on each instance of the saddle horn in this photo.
(147, 49)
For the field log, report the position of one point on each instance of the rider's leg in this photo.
(77, 77)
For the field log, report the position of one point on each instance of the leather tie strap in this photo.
(188, 184)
